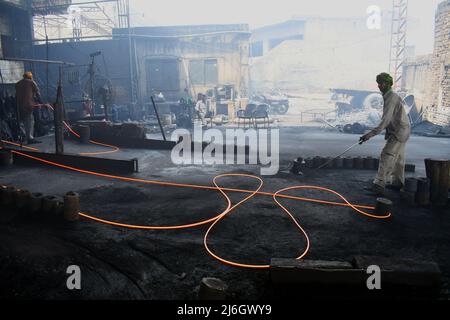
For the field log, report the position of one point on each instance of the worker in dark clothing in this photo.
(27, 93)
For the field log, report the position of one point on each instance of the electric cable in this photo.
(114, 148)
(214, 220)
(217, 218)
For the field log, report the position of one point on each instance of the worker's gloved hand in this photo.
(38, 99)
(365, 138)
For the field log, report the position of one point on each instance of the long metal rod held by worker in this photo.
(157, 117)
(348, 149)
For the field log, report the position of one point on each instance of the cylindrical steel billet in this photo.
(2, 193)
(423, 185)
(383, 206)
(376, 163)
(85, 133)
(49, 205)
(59, 210)
(338, 163)
(71, 206)
(295, 167)
(316, 162)
(322, 161)
(369, 163)
(6, 158)
(423, 198)
(309, 163)
(329, 162)
(411, 184)
(8, 196)
(408, 197)
(301, 163)
(35, 203)
(358, 163)
(348, 163)
(21, 198)
(438, 173)
(212, 289)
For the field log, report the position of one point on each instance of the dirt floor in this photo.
(122, 263)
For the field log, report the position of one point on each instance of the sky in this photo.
(259, 13)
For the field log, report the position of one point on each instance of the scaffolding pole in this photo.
(398, 40)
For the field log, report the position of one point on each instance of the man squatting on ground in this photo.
(26, 92)
(392, 160)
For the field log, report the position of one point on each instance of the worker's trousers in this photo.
(201, 115)
(28, 126)
(392, 163)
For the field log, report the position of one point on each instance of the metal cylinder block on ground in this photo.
(316, 162)
(21, 198)
(2, 193)
(322, 162)
(338, 163)
(438, 171)
(49, 205)
(295, 167)
(35, 203)
(423, 184)
(348, 163)
(376, 163)
(85, 133)
(369, 163)
(6, 158)
(358, 163)
(309, 163)
(408, 197)
(301, 163)
(410, 184)
(422, 198)
(383, 206)
(8, 196)
(212, 289)
(71, 206)
(329, 163)
(59, 209)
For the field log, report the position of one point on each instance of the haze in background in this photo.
(261, 13)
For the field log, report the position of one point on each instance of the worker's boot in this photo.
(395, 186)
(375, 189)
(33, 141)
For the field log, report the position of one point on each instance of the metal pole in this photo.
(46, 69)
(130, 57)
(19, 130)
(348, 149)
(38, 61)
(58, 117)
(157, 117)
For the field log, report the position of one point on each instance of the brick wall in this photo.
(441, 59)
(417, 73)
(428, 77)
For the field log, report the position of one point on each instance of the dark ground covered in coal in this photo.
(122, 263)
